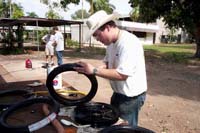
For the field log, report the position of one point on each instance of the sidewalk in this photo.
(13, 70)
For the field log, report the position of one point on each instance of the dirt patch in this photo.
(173, 98)
(172, 104)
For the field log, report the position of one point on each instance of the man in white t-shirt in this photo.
(59, 45)
(124, 65)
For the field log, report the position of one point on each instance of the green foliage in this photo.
(51, 14)
(32, 14)
(72, 44)
(96, 5)
(175, 13)
(64, 3)
(7, 6)
(4, 9)
(13, 51)
(78, 14)
(135, 14)
(52, 5)
(17, 11)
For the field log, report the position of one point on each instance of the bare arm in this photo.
(55, 122)
(100, 71)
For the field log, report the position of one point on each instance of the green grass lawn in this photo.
(175, 53)
(172, 53)
(176, 48)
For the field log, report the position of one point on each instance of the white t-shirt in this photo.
(127, 57)
(59, 41)
(51, 40)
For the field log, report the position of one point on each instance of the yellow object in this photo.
(61, 91)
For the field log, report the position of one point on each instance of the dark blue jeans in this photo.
(128, 107)
(59, 55)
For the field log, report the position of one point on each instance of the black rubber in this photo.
(96, 114)
(69, 102)
(125, 129)
(23, 93)
(4, 126)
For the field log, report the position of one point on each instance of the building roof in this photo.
(135, 26)
(41, 22)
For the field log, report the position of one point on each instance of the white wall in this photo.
(147, 40)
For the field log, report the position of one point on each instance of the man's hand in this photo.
(85, 68)
(54, 44)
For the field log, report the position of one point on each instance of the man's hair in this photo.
(110, 23)
(55, 28)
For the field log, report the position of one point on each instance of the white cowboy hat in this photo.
(97, 20)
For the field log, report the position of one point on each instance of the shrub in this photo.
(71, 43)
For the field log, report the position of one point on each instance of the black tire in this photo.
(62, 100)
(27, 128)
(23, 93)
(96, 114)
(125, 129)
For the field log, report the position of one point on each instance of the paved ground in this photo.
(14, 75)
(13, 70)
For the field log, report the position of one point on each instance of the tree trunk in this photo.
(197, 38)
(197, 54)
(20, 40)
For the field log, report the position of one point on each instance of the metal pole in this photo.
(10, 9)
(82, 26)
(37, 37)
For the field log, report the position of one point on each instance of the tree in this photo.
(10, 10)
(175, 13)
(17, 11)
(95, 5)
(78, 14)
(52, 14)
(134, 14)
(64, 3)
(4, 9)
(32, 14)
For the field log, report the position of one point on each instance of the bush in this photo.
(72, 44)
(13, 51)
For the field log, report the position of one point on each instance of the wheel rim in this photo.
(97, 114)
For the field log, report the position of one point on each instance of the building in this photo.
(151, 33)
(145, 32)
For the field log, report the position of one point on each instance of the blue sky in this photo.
(122, 7)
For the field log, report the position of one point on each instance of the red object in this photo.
(55, 82)
(28, 63)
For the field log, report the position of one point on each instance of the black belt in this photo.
(144, 93)
(134, 97)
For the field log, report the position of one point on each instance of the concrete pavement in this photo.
(12, 69)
